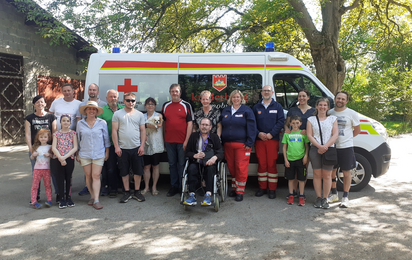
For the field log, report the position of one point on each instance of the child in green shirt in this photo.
(295, 152)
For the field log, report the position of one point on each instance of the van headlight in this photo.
(380, 129)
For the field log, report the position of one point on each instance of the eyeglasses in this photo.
(204, 125)
(130, 100)
(150, 104)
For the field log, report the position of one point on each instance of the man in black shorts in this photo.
(349, 127)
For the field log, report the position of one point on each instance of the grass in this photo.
(397, 128)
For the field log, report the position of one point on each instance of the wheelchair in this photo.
(219, 193)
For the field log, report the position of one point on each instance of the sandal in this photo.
(143, 192)
(97, 205)
(155, 192)
(90, 202)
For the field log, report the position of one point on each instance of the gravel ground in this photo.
(378, 224)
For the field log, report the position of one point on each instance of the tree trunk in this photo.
(324, 45)
(330, 67)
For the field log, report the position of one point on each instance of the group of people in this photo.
(112, 142)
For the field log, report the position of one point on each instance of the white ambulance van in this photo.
(150, 75)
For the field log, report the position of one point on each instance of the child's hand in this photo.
(46, 155)
(287, 164)
(63, 163)
(35, 154)
(305, 160)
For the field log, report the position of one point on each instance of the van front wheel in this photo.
(361, 175)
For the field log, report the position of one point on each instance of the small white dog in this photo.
(154, 120)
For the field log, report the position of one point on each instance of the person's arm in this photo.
(309, 132)
(54, 148)
(191, 150)
(251, 129)
(27, 131)
(335, 135)
(188, 133)
(285, 157)
(115, 139)
(73, 150)
(54, 126)
(280, 123)
(219, 129)
(306, 157)
(286, 126)
(142, 128)
(356, 130)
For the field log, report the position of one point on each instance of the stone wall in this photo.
(39, 57)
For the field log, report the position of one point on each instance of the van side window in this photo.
(288, 85)
(193, 84)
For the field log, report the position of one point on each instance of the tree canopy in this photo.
(345, 29)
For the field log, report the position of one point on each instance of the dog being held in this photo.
(154, 120)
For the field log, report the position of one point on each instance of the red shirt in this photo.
(176, 115)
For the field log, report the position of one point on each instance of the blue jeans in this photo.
(33, 162)
(176, 157)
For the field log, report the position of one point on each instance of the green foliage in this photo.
(49, 27)
(395, 128)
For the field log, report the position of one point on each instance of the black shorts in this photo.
(346, 159)
(153, 160)
(296, 168)
(130, 159)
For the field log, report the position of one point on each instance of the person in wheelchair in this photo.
(204, 150)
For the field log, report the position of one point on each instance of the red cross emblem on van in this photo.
(127, 87)
(219, 82)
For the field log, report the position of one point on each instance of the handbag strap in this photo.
(320, 130)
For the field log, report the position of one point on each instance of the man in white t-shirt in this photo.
(129, 135)
(66, 105)
(349, 127)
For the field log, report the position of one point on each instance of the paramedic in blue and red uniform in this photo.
(269, 121)
(178, 123)
(238, 137)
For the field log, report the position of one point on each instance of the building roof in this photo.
(84, 48)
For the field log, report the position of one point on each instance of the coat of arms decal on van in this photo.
(219, 82)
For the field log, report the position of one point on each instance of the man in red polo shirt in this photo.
(178, 122)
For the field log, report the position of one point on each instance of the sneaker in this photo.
(295, 194)
(333, 198)
(301, 201)
(36, 205)
(104, 191)
(344, 203)
(191, 201)
(260, 192)
(62, 204)
(206, 200)
(318, 203)
(70, 203)
(290, 199)
(84, 191)
(325, 204)
(137, 195)
(48, 203)
(126, 197)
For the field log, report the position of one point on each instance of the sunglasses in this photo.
(130, 100)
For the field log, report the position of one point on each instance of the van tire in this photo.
(360, 177)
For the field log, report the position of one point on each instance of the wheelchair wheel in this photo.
(223, 183)
(217, 203)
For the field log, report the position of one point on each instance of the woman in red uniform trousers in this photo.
(238, 137)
